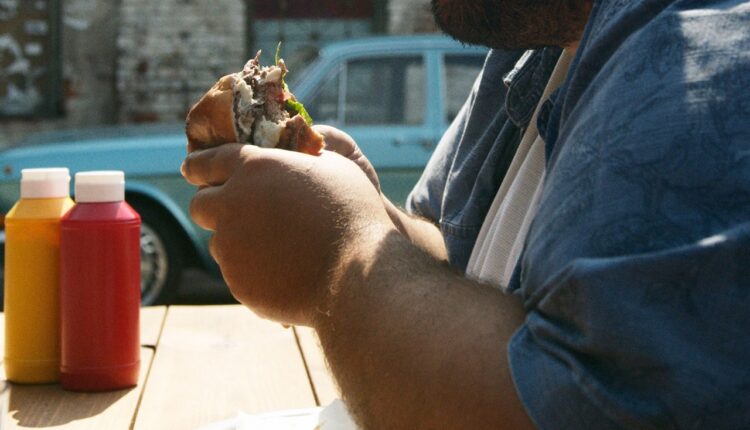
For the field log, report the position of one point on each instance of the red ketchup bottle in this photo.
(100, 292)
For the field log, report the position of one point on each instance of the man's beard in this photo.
(512, 24)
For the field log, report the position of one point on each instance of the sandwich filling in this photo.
(259, 105)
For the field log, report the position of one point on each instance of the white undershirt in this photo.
(503, 233)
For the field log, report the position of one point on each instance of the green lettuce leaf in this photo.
(292, 105)
(297, 107)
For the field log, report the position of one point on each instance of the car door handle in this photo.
(426, 144)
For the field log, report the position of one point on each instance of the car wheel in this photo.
(162, 256)
(2, 270)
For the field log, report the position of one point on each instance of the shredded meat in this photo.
(268, 93)
(298, 136)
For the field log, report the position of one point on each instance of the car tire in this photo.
(162, 255)
(2, 271)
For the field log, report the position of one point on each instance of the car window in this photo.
(460, 73)
(386, 90)
(323, 106)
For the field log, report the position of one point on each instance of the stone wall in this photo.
(139, 61)
(89, 31)
(172, 51)
(89, 57)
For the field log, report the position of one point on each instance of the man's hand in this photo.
(343, 144)
(279, 220)
(306, 240)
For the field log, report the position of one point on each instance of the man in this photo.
(631, 288)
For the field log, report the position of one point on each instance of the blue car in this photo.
(394, 95)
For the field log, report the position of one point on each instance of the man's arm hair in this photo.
(415, 345)
(421, 232)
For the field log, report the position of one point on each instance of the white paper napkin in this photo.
(333, 417)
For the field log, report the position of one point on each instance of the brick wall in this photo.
(89, 29)
(172, 51)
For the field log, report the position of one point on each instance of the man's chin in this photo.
(489, 22)
(470, 22)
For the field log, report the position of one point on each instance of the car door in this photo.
(381, 100)
(459, 70)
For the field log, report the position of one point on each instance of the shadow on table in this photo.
(50, 405)
(197, 288)
(200, 288)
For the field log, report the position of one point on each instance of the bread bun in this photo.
(253, 106)
(210, 122)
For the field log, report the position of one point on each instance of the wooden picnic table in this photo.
(199, 365)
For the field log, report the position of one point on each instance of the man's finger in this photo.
(213, 248)
(211, 166)
(336, 140)
(205, 208)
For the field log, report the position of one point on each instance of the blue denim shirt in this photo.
(465, 171)
(636, 270)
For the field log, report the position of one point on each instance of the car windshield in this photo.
(299, 67)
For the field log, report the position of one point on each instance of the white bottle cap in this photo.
(46, 183)
(101, 186)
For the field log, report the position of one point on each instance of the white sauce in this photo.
(245, 91)
(243, 110)
(267, 133)
(274, 74)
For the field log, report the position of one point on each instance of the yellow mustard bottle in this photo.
(32, 260)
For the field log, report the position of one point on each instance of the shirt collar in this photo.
(526, 83)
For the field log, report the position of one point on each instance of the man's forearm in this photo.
(415, 345)
(422, 233)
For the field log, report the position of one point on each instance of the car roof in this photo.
(98, 133)
(427, 41)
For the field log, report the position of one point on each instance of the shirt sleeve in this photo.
(636, 270)
(426, 198)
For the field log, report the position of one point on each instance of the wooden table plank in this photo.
(152, 319)
(2, 352)
(4, 384)
(49, 406)
(215, 361)
(320, 376)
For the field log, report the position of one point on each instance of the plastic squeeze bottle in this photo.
(32, 250)
(100, 286)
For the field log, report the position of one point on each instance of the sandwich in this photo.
(253, 106)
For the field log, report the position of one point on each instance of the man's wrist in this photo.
(420, 231)
(354, 260)
(393, 212)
